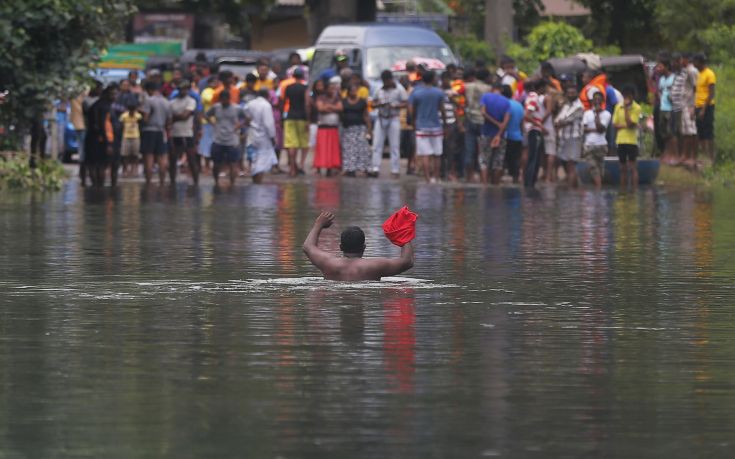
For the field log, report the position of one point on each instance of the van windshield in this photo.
(379, 59)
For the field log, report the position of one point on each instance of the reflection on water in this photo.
(187, 323)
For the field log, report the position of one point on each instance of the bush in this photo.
(546, 40)
(725, 113)
(16, 173)
(720, 43)
(469, 49)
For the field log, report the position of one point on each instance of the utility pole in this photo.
(498, 24)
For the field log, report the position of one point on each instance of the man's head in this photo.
(628, 94)
(571, 92)
(352, 241)
(263, 70)
(452, 69)
(507, 63)
(151, 87)
(483, 75)
(294, 58)
(446, 79)
(675, 62)
(700, 61)
(387, 78)
(428, 77)
(298, 73)
(176, 76)
(225, 77)
(250, 81)
(224, 98)
(507, 91)
(124, 85)
(183, 88)
(133, 76)
(588, 75)
(497, 87)
(340, 56)
(264, 93)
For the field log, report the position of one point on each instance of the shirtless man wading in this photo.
(352, 267)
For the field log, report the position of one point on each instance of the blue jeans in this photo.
(471, 135)
(535, 155)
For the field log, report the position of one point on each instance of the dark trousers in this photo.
(535, 155)
(513, 157)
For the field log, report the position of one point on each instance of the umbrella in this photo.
(429, 63)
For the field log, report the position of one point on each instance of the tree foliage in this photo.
(701, 25)
(625, 23)
(546, 40)
(45, 45)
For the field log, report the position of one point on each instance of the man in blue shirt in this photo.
(513, 135)
(424, 105)
(496, 111)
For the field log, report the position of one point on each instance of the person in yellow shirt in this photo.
(265, 79)
(205, 143)
(626, 117)
(130, 121)
(704, 105)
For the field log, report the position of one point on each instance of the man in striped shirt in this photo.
(570, 133)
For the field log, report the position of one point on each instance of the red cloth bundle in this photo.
(400, 228)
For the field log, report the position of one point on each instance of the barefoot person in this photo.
(352, 266)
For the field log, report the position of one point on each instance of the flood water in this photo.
(188, 324)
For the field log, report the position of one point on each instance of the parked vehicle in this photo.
(372, 48)
(239, 61)
(621, 70)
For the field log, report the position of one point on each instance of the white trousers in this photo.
(392, 129)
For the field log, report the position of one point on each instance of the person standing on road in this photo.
(513, 135)
(130, 148)
(705, 105)
(425, 104)
(156, 121)
(328, 154)
(626, 118)
(475, 88)
(595, 122)
(227, 119)
(295, 126)
(388, 102)
(261, 135)
(355, 132)
(496, 111)
(569, 126)
(183, 111)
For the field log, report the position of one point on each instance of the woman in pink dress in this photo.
(327, 152)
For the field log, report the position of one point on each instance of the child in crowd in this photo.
(595, 122)
(130, 121)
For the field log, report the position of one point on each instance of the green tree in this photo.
(697, 25)
(625, 23)
(546, 40)
(47, 45)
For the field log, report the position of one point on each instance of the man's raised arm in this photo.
(317, 256)
(393, 266)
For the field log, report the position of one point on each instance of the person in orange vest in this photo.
(593, 82)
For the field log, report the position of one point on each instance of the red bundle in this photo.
(400, 228)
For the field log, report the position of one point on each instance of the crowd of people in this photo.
(469, 124)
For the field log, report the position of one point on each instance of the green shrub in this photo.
(16, 173)
(546, 40)
(725, 114)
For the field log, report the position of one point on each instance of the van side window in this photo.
(356, 60)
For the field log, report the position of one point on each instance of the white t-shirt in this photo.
(588, 121)
(180, 105)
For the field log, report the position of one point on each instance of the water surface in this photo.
(148, 322)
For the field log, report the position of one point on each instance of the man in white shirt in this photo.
(261, 135)
(183, 110)
(595, 122)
